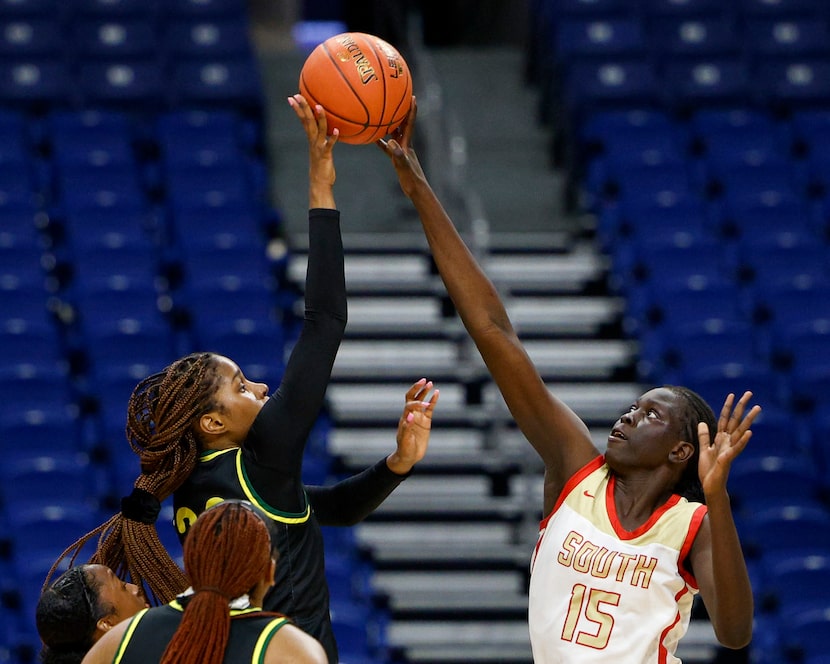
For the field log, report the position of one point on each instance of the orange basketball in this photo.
(362, 82)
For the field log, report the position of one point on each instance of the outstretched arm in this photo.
(352, 500)
(716, 557)
(554, 430)
(277, 438)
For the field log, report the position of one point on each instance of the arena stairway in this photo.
(450, 548)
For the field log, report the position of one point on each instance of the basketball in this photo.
(362, 82)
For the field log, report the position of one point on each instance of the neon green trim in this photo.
(265, 638)
(128, 634)
(277, 515)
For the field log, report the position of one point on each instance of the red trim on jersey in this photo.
(575, 479)
(621, 532)
(694, 528)
(662, 652)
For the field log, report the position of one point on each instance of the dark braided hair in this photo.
(67, 614)
(226, 553)
(161, 415)
(697, 411)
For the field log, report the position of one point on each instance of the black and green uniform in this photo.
(150, 631)
(267, 469)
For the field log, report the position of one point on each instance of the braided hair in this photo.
(67, 615)
(226, 554)
(697, 410)
(161, 415)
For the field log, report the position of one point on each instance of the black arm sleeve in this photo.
(350, 501)
(274, 447)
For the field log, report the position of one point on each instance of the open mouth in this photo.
(617, 434)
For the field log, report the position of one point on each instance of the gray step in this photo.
(464, 496)
(383, 316)
(421, 543)
(459, 591)
(409, 359)
(462, 640)
(600, 403)
(547, 272)
(566, 315)
(387, 358)
(448, 446)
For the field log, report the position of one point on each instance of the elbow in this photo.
(736, 637)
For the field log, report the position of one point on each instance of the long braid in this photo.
(226, 553)
(161, 414)
(698, 410)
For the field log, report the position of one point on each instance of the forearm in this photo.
(474, 295)
(278, 436)
(732, 612)
(350, 501)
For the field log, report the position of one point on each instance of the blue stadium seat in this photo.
(79, 150)
(258, 348)
(714, 383)
(218, 227)
(15, 9)
(790, 529)
(30, 343)
(255, 303)
(18, 186)
(205, 8)
(789, 581)
(32, 38)
(116, 9)
(694, 84)
(807, 633)
(35, 85)
(624, 83)
(218, 83)
(204, 39)
(110, 228)
(120, 187)
(44, 480)
(772, 480)
(217, 186)
(759, 217)
(139, 84)
(108, 39)
(686, 9)
(44, 431)
(793, 85)
(614, 37)
(116, 268)
(787, 37)
(781, 9)
(698, 37)
(711, 343)
(778, 262)
(31, 384)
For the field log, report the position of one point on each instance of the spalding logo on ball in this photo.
(362, 82)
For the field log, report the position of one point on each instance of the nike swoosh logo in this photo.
(587, 495)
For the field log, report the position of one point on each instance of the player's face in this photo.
(239, 399)
(644, 435)
(124, 598)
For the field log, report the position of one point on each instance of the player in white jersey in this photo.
(629, 537)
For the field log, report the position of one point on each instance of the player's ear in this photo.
(682, 451)
(212, 423)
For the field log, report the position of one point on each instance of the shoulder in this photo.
(291, 644)
(103, 652)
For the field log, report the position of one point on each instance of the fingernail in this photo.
(410, 417)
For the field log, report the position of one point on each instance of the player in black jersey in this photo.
(203, 433)
(229, 558)
(82, 605)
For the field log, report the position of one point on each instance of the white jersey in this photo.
(599, 593)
